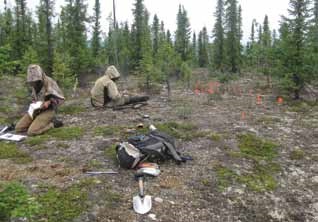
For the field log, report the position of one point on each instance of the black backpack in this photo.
(155, 146)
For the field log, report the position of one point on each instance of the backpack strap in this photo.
(170, 147)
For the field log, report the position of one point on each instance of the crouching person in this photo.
(105, 92)
(48, 96)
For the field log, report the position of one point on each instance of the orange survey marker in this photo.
(243, 116)
(279, 100)
(258, 99)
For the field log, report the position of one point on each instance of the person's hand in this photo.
(46, 104)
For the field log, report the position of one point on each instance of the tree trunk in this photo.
(168, 88)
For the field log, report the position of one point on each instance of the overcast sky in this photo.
(200, 12)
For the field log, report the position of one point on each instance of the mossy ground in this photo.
(110, 153)
(12, 152)
(62, 205)
(262, 175)
(71, 109)
(181, 130)
(64, 133)
(297, 154)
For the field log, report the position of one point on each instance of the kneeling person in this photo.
(105, 92)
(46, 91)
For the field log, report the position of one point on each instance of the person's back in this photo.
(105, 92)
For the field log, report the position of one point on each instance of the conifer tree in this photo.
(45, 35)
(194, 54)
(183, 34)
(232, 39)
(297, 25)
(218, 34)
(96, 39)
(155, 35)
(203, 48)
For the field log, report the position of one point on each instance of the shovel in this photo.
(142, 203)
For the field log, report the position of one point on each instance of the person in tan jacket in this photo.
(105, 92)
(46, 91)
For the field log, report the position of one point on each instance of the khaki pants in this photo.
(41, 123)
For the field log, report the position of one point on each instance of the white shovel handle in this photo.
(141, 186)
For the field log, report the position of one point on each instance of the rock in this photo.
(285, 129)
(152, 216)
(171, 202)
(315, 206)
(239, 191)
(277, 215)
(158, 200)
(315, 179)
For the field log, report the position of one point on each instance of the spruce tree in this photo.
(194, 54)
(203, 48)
(218, 34)
(232, 39)
(45, 35)
(183, 34)
(297, 24)
(138, 31)
(266, 50)
(155, 35)
(75, 35)
(96, 45)
(20, 41)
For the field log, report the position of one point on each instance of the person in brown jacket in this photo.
(105, 92)
(46, 92)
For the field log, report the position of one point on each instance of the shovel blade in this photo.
(142, 205)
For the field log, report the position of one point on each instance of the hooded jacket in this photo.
(106, 87)
(50, 89)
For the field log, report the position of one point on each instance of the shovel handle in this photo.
(141, 186)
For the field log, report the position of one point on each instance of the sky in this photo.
(200, 12)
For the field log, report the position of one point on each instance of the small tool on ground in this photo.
(142, 203)
(101, 172)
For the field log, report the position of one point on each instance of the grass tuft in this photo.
(66, 133)
(297, 154)
(71, 110)
(11, 151)
(256, 148)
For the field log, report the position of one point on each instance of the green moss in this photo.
(4, 120)
(297, 154)
(6, 109)
(205, 182)
(37, 140)
(21, 93)
(262, 178)
(259, 180)
(215, 137)
(71, 110)
(11, 151)
(15, 201)
(62, 205)
(256, 148)
(107, 130)
(225, 176)
(63, 146)
(112, 199)
(66, 133)
(184, 131)
(110, 152)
